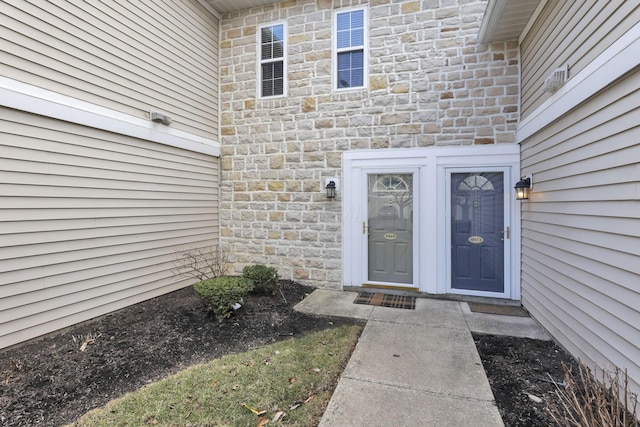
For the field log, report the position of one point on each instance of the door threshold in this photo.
(390, 287)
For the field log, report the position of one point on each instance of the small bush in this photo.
(201, 263)
(221, 293)
(265, 279)
(605, 401)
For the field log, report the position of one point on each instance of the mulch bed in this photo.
(518, 368)
(51, 382)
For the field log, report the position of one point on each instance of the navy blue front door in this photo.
(477, 231)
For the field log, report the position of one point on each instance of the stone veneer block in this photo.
(429, 83)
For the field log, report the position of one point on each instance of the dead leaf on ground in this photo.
(535, 398)
(262, 421)
(309, 398)
(292, 380)
(278, 416)
(255, 411)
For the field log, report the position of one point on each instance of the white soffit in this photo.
(228, 6)
(505, 20)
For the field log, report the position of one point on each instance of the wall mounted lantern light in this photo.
(331, 190)
(523, 188)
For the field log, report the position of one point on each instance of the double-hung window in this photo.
(272, 60)
(350, 52)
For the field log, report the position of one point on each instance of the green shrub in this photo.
(221, 293)
(265, 279)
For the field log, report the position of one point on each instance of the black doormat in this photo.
(386, 300)
(507, 310)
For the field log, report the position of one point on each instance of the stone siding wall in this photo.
(429, 83)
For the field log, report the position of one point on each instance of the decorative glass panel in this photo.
(475, 182)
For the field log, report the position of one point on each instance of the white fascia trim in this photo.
(32, 99)
(617, 60)
(490, 20)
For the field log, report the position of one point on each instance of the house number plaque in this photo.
(390, 236)
(476, 239)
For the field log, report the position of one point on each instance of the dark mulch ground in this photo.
(50, 382)
(518, 368)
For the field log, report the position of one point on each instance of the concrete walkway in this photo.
(414, 367)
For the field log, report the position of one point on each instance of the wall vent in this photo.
(160, 118)
(557, 79)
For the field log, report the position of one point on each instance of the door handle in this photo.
(364, 227)
(506, 233)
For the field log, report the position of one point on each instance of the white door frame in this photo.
(506, 170)
(430, 272)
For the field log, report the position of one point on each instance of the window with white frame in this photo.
(272, 60)
(350, 52)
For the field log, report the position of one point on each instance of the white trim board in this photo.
(32, 99)
(617, 60)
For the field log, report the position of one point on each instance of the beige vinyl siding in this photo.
(581, 229)
(90, 221)
(573, 32)
(130, 56)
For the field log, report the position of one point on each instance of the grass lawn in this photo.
(287, 383)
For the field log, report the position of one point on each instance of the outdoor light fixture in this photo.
(523, 187)
(331, 190)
